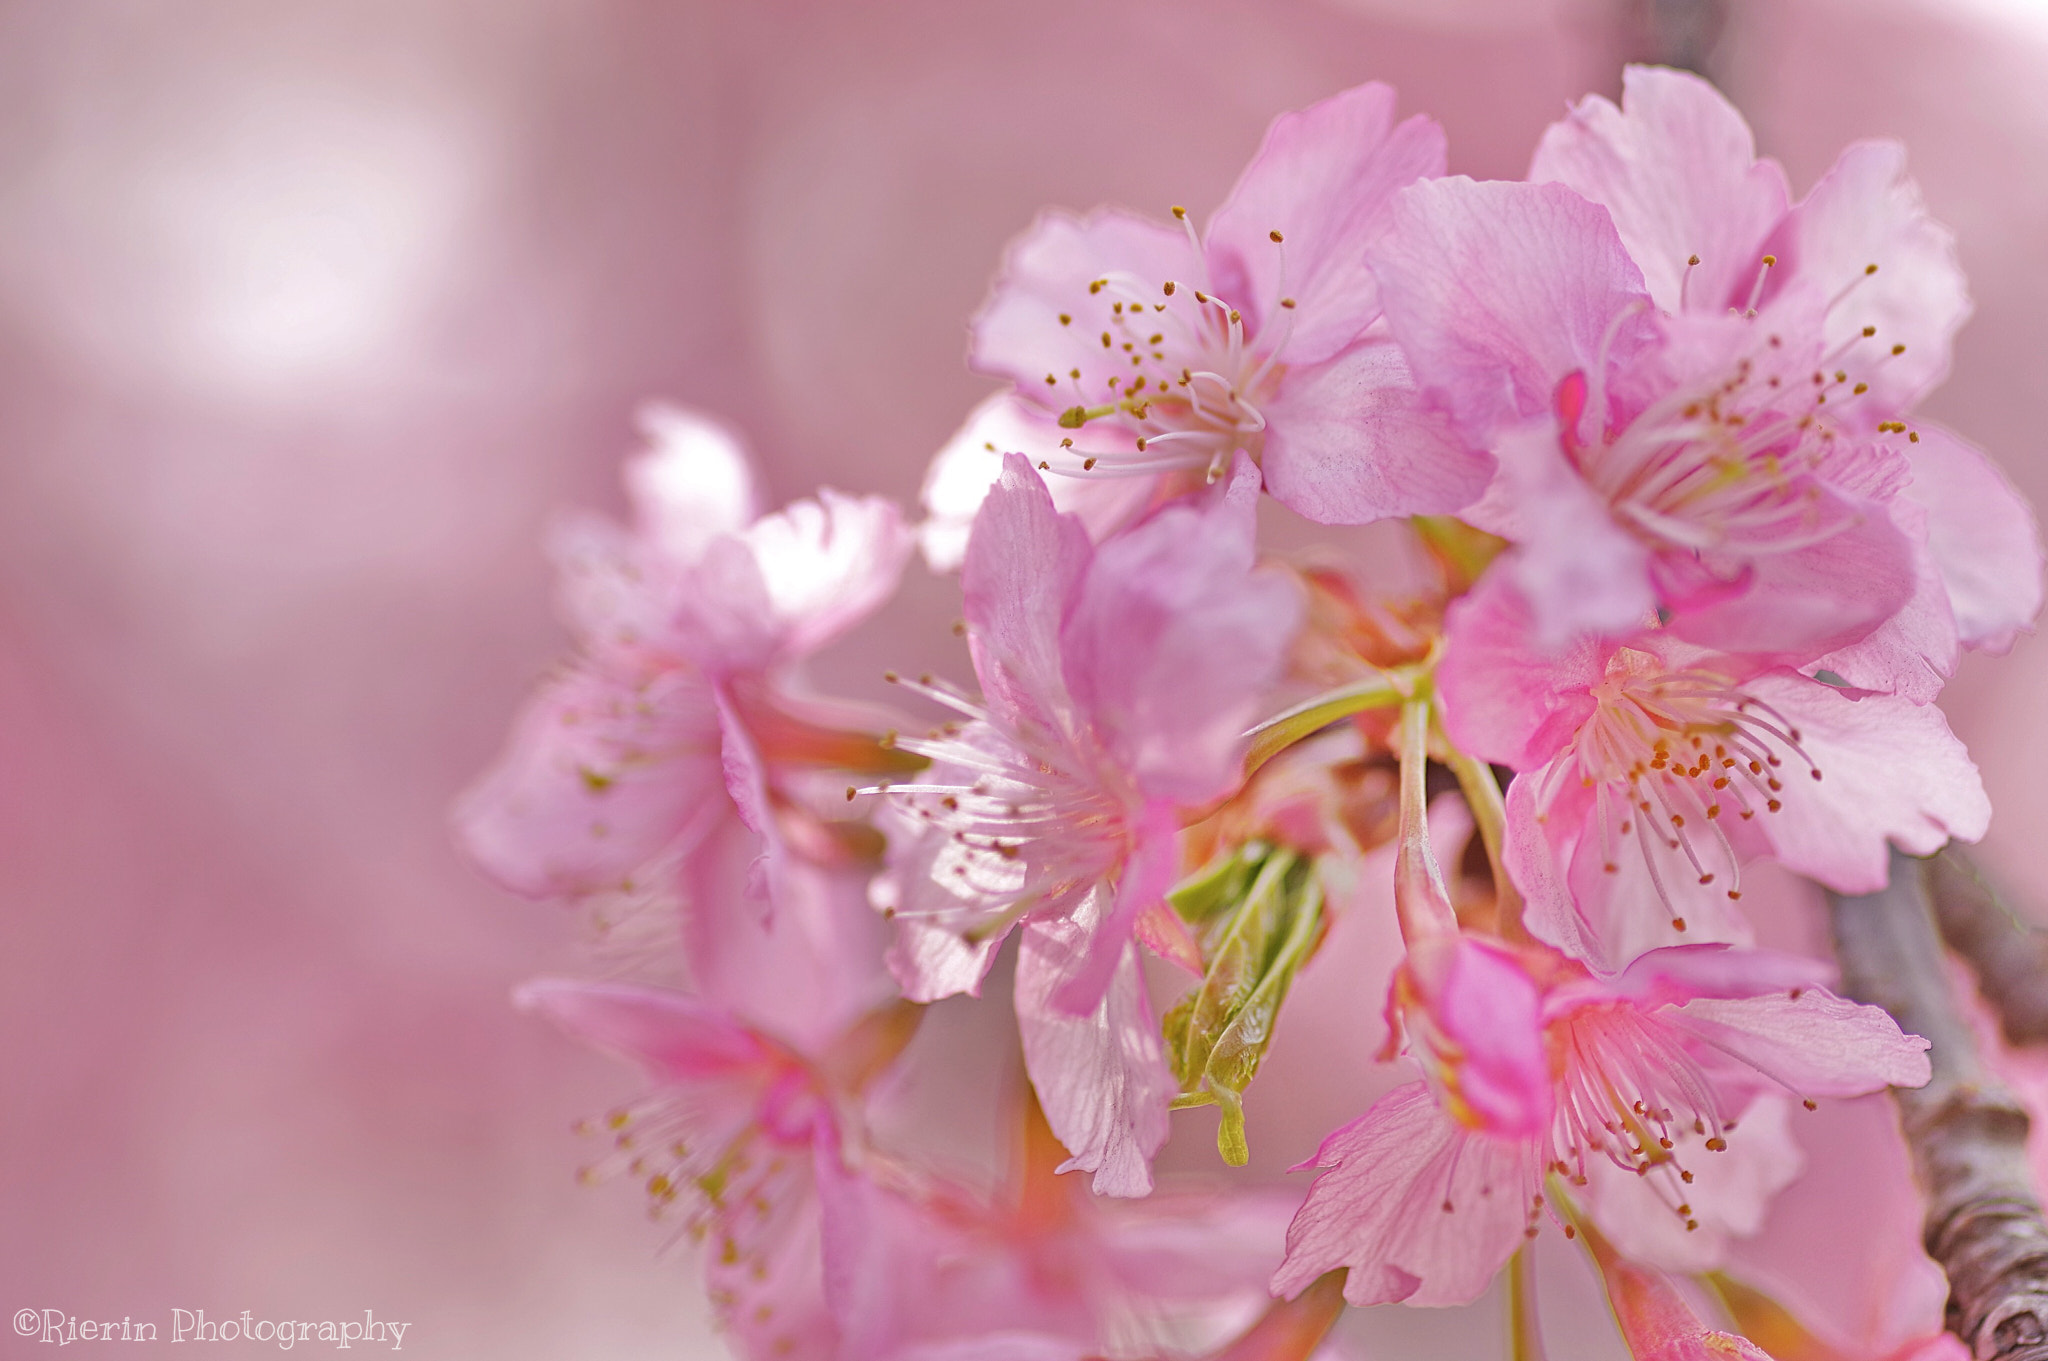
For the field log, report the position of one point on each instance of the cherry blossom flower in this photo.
(919, 1268)
(1647, 1076)
(674, 741)
(1652, 770)
(737, 1136)
(1116, 684)
(1140, 350)
(1698, 392)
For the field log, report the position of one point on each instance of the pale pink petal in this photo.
(694, 483)
(1018, 333)
(1322, 178)
(1505, 698)
(1813, 1044)
(1580, 572)
(1728, 1198)
(1891, 772)
(675, 1037)
(1000, 1346)
(930, 962)
(1174, 640)
(963, 471)
(1497, 291)
(1379, 1207)
(1195, 1246)
(1679, 974)
(1350, 441)
(765, 1270)
(1102, 1078)
(746, 784)
(1148, 871)
(1864, 212)
(827, 564)
(1914, 652)
(1024, 564)
(1676, 168)
(809, 969)
(602, 774)
(1812, 599)
(722, 616)
(1983, 538)
(611, 589)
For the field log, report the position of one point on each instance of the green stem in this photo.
(1283, 730)
(1525, 1330)
(1489, 814)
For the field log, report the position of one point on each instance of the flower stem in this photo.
(1525, 1330)
(1489, 814)
(1283, 730)
(1420, 899)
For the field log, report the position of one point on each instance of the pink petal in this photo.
(1730, 1194)
(1865, 212)
(1580, 572)
(1350, 441)
(828, 564)
(1018, 333)
(1148, 872)
(601, 775)
(694, 483)
(1914, 652)
(1507, 699)
(1102, 1078)
(1983, 538)
(1174, 640)
(1812, 599)
(1322, 178)
(1497, 291)
(1814, 1044)
(1024, 565)
(1891, 772)
(1378, 1208)
(676, 1037)
(1676, 168)
(1684, 973)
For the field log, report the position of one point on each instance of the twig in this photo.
(2008, 954)
(1967, 1132)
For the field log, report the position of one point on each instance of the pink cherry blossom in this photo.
(1651, 1073)
(674, 740)
(735, 1137)
(1162, 354)
(918, 1268)
(1698, 391)
(1650, 771)
(1116, 684)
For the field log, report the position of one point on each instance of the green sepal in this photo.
(1261, 916)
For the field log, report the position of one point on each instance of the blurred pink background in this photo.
(311, 314)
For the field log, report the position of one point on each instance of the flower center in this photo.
(1630, 1093)
(1738, 463)
(1669, 755)
(1189, 375)
(1011, 824)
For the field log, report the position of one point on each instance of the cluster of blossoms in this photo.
(1694, 575)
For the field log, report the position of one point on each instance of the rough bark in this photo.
(1968, 1134)
(2008, 954)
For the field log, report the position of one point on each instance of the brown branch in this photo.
(1967, 1132)
(2008, 954)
